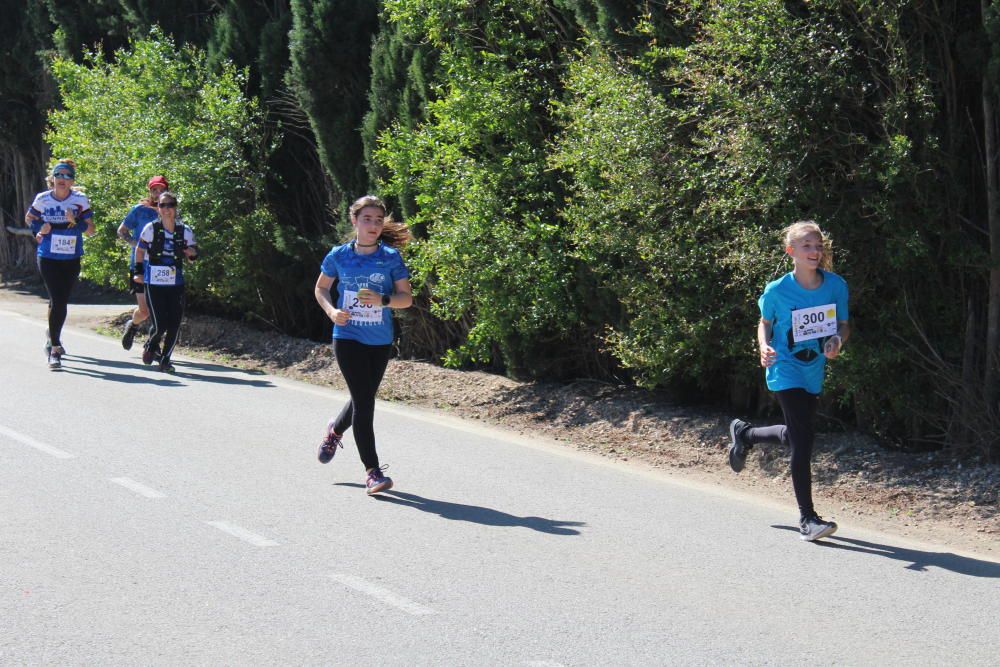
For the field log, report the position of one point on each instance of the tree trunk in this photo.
(992, 358)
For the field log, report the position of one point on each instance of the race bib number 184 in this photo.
(63, 244)
(815, 322)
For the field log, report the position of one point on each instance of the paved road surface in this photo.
(149, 519)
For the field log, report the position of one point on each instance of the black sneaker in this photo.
(738, 446)
(149, 355)
(812, 528)
(329, 445)
(129, 335)
(167, 367)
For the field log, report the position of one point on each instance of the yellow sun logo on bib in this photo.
(831, 313)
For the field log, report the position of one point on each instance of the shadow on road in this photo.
(473, 513)
(918, 560)
(167, 380)
(113, 377)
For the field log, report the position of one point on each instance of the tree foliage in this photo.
(157, 109)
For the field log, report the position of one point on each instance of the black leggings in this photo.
(798, 434)
(59, 276)
(166, 308)
(363, 367)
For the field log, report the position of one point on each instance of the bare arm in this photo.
(325, 300)
(765, 329)
(834, 344)
(401, 297)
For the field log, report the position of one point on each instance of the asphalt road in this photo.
(150, 519)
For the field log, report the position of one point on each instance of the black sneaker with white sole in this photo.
(812, 528)
(738, 446)
(55, 357)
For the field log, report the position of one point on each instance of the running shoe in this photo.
(377, 481)
(738, 446)
(55, 357)
(129, 335)
(330, 443)
(812, 528)
(149, 355)
(167, 367)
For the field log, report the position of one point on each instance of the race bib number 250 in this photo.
(815, 322)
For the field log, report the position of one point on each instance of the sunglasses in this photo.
(62, 175)
(167, 204)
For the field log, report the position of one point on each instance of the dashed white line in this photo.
(243, 534)
(382, 594)
(40, 446)
(141, 489)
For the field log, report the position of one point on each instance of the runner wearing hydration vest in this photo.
(59, 217)
(159, 264)
(371, 280)
(803, 322)
(128, 231)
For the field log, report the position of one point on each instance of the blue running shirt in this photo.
(800, 363)
(378, 271)
(136, 220)
(63, 242)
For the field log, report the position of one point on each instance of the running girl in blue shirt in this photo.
(371, 281)
(803, 322)
(59, 217)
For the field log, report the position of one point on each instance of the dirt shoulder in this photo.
(926, 497)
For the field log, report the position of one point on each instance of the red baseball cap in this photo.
(157, 180)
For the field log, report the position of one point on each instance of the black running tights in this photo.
(797, 433)
(166, 308)
(363, 367)
(59, 276)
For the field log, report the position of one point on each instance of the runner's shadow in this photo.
(473, 513)
(219, 379)
(134, 379)
(918, 560)
(117, 377)
(215, 367)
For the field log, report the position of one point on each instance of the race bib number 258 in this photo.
(815, 322)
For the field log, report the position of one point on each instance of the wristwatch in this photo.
(385, 299)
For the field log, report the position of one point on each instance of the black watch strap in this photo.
(385, 299)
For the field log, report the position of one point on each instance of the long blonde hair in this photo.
(802, 228)
(395, 234)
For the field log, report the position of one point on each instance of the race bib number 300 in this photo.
(361, 313)
(815, 322)
(63, 244)
(162, 275)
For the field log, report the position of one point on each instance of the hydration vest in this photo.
(159, 241)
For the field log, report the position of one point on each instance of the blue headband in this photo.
(62, 167)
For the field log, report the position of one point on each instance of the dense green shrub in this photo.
(157, 109)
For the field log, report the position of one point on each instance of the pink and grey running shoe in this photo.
(377, 481)
(329, 445)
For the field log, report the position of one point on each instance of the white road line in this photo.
(382, 594)
(243, 534)
(40, 446)
(141, 489)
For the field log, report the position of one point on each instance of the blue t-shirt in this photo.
(378, 271)
(136, 220)
(63, 242)
(166, 272)
(800, 364)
